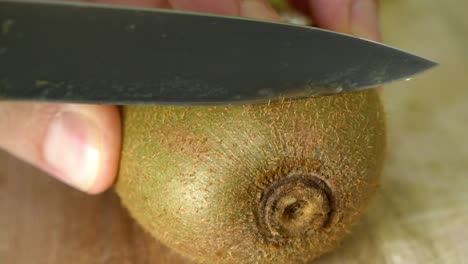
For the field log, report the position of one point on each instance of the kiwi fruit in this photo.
(281, 182)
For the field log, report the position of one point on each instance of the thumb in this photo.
(77, 144)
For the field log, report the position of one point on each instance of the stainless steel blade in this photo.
(87, 53)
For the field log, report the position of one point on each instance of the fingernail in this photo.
(258, 9)
(364, 19)
(72, 149)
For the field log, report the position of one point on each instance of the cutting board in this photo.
(420, 214)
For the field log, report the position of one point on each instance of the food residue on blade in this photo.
(319, 91)
(6, 26)
(41, 83)
(130, 27)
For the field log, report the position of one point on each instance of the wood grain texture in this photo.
(43, 221)
(420, 214)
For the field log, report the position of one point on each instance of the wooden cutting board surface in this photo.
(420, 214)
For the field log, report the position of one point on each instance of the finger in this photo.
(356, 17)
(140, 3)
(259, 9)
(222, 7)
(78, 144)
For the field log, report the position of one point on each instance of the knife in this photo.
(106, 54)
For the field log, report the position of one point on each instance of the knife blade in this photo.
(105, 54)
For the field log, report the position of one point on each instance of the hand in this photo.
(80, 144)
(355, 17)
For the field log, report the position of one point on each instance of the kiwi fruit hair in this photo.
(281, 182)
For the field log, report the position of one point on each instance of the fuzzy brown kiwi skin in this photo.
(267, 183)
